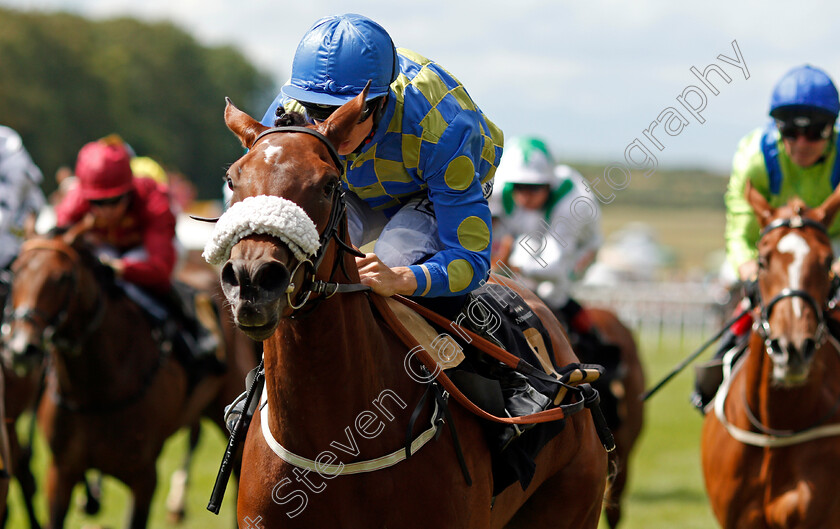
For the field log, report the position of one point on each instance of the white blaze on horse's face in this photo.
(793, 243)
(271, 153)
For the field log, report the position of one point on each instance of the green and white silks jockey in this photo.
(553, 244)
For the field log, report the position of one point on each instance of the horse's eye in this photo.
(762, 261)
(229, 182)
(330, 187)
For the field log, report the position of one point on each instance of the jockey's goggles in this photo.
(532, 188)
(107, 202)
(812, 132)
(322, 112)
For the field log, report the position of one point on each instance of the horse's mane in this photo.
(288, 119)
(104, 274)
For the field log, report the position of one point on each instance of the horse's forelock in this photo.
(290, 119)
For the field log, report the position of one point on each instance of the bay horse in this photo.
(113, 395)
(627, 387)
(770, 449)
(21, 390)
(337, 387)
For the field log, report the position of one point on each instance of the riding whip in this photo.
(693, 356)
(255, 390)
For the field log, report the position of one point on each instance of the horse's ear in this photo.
(763, 211)
(340, 124)
(826, 211)
(241, 124)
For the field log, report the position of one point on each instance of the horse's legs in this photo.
(20, 457)
(142, 488)
(60, 483)
(177, 498)
(612, 498)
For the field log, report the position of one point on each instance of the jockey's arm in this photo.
(463, 219)
(451, 172)
(158, 236)
(741, 232)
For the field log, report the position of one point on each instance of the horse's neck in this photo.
(104, 360)
(324, 370)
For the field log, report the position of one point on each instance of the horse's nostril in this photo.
(31, 351)
(229, 277)
(272, 277)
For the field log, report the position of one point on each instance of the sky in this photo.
(589, 77)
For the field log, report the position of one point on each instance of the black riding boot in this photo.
(197, 342)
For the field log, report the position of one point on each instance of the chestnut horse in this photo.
(770, 449)
(111, 397)
(337, 390)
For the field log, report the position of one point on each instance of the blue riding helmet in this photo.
(336, 58)
(805, 90)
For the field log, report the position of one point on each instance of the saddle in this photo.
(188, 324)
(476, 370)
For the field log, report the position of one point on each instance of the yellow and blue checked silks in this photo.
(436, 142)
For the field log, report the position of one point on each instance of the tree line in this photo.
(66, 80)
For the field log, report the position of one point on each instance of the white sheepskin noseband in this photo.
(269, 215)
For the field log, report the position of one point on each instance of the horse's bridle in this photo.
(51, 324)
(333, 230)
(763, 324)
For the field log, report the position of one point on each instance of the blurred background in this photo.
(588, 77)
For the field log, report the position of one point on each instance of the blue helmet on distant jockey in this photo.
(336, 58)
(805, 90)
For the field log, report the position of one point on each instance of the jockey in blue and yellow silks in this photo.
(417, 165)
(419, 168)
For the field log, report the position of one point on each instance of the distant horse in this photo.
(770, 450)
(627, 387)
(336, 376)
(22, 386)
(111, 396)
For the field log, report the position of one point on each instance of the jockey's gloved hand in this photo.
(116, 265)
